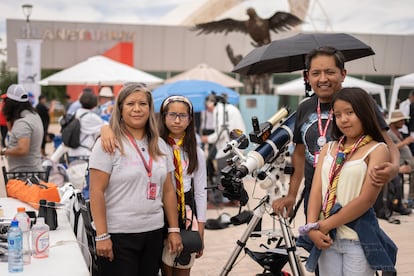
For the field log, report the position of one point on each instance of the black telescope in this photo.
(270, 149)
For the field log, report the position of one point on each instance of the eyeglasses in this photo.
(173, 116)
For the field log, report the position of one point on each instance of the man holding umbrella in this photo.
(325, 72)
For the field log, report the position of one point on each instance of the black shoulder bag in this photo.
(191, 239)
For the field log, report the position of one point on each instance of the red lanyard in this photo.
(318, 110)
(148, 166)
(340, 157)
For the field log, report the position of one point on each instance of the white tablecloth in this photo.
(65, 257)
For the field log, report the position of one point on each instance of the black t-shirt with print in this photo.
(306, 130)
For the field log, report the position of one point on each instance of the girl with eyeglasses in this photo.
(176, 124)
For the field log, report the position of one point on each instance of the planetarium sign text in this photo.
(73, 34)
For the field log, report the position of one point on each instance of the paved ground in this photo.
(219, 244)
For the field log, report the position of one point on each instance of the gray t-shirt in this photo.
(127, 208)
(30, 125)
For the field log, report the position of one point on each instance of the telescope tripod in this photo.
(290, 247)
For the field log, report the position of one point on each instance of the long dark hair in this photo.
(363, 106)
(12, 109)
(190, 141)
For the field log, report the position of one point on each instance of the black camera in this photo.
(222, 98)
(232, 185)
(214, 97)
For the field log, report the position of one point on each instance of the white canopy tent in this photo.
(205, 72)
(406, 81)
(99, 70)
(296, 87)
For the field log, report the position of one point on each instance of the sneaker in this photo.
(403, 210)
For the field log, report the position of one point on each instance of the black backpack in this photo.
(71, 128)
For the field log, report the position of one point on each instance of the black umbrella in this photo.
(288, 55)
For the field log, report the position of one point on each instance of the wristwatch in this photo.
(3, 151)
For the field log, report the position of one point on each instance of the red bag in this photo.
(31, 193)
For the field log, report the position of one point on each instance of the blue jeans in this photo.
(345, 254)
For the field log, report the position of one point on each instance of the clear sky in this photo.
(354, 16)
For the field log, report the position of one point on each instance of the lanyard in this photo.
(148, 166)
(322, 133)
(338, 163)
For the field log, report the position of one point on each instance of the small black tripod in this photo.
(289, 249)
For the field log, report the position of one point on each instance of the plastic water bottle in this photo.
(40, 239)
(15, 247)
(24, 224)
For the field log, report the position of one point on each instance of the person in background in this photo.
(404, 106)
(178, 130)
(91, 125)
(325, 73)
(25, 132)
(342, 194)
(131, 190)
(395, 122)
(74, 106)
(105, 103)
(206, 128)
(3, 121)
(68, 102)
(226, 118)
(44, 112)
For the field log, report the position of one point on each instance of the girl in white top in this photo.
(190, 176)
(341, 177)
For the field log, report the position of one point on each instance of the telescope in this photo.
(269, 149)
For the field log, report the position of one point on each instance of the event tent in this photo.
(205, 72)
(296, 87)
(406, 81)
(99, 70)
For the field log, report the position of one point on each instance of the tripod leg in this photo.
(241, 243)
(295, 264)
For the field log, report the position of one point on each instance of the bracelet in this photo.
(3, 151)
(174, 230)
(102, 237)
(304, 230)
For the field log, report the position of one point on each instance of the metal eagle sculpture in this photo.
(257, 27)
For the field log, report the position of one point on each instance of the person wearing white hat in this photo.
(106, 102)
(396, 122)
(25, 132)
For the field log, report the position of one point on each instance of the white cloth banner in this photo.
(28, 65)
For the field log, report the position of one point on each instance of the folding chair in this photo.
(90, 232)
(42, 175)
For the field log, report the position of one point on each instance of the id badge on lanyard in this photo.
(151, 187)
(151, 190)
(321, 141)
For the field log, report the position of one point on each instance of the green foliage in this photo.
(7, 77)
(53, 92)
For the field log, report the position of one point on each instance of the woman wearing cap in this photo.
(25, 132)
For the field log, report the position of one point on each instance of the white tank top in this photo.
(349, 184)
